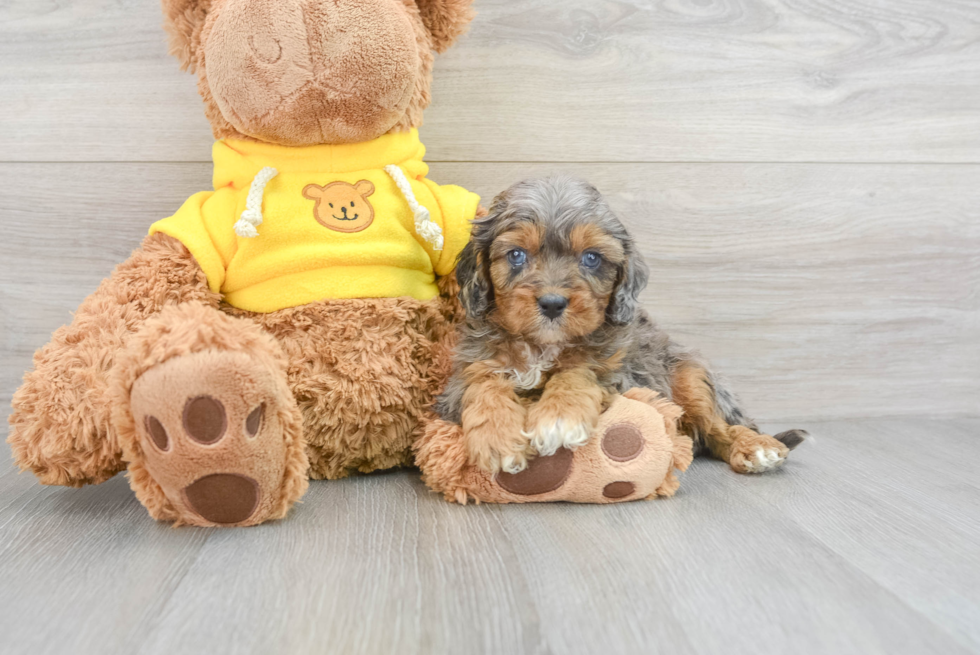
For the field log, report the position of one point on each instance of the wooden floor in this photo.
(866, 542)
(802, 176)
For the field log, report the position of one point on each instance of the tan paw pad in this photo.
(211, 437)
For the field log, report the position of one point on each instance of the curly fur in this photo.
(193, 328)
(61, 425)
(354, 375)
(183, 21)
(362, 371)
(362, 390)
(445, 20)
(621, 345)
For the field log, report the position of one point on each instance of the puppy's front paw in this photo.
(495, 451)
(551, 426)
(757, 455)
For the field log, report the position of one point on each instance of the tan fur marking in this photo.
(524, 235)
(734, 444)
(572, 396)
(592, 237)
(493, 418)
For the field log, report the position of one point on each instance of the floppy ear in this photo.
(446, 20)
(183, 20)
(632, 279)
(475, 288)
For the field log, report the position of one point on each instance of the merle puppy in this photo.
(549, 283)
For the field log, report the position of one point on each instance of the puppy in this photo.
(549, 283)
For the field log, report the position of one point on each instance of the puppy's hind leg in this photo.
(713, 419)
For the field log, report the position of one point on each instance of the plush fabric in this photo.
(220, 414)
(300, 87)
(362, 372)
(298, 257)
(61, 427)
(191, 351)
(632, 455)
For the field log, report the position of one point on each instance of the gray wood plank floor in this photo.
(866, 542)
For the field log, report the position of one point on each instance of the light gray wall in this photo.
(804, 176)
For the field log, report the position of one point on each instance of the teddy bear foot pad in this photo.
(631, 455)
(211, 437)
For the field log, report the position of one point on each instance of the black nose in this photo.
(552, 305)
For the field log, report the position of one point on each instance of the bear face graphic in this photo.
(341, 206)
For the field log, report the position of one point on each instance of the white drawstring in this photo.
(252, 216)
(424, 225)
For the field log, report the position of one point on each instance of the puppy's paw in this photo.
(494, 451)
(757, 455)
(514, 463)
(551, 426)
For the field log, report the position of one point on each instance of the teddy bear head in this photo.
(307, 72)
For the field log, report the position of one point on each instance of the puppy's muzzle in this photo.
(552, 305)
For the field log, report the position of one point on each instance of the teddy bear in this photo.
(295, 321)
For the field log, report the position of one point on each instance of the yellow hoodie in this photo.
(330, 222)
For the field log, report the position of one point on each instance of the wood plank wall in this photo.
(803, 175)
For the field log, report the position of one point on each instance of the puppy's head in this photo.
(550, 263)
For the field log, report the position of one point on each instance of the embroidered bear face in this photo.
(341, 206)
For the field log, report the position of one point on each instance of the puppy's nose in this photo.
(552, 305)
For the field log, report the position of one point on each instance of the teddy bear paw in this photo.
(211, 429)
(628, 456)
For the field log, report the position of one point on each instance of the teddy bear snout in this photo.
(302, 72)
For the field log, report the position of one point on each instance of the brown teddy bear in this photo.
(295, 321)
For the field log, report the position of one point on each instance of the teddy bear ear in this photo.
(183, 20)
(364, 187)
(446, 20)
(313, 192)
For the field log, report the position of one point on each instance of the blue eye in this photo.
(591, 259)
(516, 257)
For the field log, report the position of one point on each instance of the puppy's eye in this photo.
(331, 205)
(591, 259)
(516, 257)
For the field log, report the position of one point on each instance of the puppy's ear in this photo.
(446, 20)
(183, 20)
(475, 288)
(633, 277)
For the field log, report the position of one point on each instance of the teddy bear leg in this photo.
(362, 371)
(61, 426)
(206, 420)
(632, 454)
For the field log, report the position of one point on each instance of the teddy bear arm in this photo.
(61, 425)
